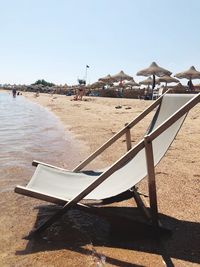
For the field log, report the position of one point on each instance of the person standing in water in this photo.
(14, 92)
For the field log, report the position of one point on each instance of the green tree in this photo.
(43, 82)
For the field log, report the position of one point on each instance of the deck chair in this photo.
(69, 188)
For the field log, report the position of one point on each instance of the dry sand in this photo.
(82, 240)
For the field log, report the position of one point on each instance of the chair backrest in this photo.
(135, 170)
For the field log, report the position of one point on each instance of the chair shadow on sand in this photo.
(76, 229)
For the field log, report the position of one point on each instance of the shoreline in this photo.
(91, 123)
(94, 120)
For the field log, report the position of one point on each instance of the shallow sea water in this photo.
(27, 132)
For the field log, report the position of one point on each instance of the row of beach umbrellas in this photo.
(151, 72)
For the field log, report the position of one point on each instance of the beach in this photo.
(79, 239)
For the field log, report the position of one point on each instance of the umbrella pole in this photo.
(153, 85)
(190, 85)
(166, 86)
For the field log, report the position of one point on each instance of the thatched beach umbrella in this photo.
(154, 70)
(121, 76)
(97, 84)
(178, 88)
(106, 79)
(131, 83)
(168, 79)
(189, 74)
(149, 81)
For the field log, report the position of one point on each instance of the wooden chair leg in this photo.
(151, 182)
(140, 203)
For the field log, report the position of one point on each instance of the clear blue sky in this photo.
(55, 39)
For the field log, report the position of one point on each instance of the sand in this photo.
(79, 239)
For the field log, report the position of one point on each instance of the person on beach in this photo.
(79, 93)
(37, 93)
(14, 92)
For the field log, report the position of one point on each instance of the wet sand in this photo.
(79, 239)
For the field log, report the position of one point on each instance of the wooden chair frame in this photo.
(146, 143)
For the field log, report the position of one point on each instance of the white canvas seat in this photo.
(70, 187)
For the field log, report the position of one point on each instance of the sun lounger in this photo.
(69, 188)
